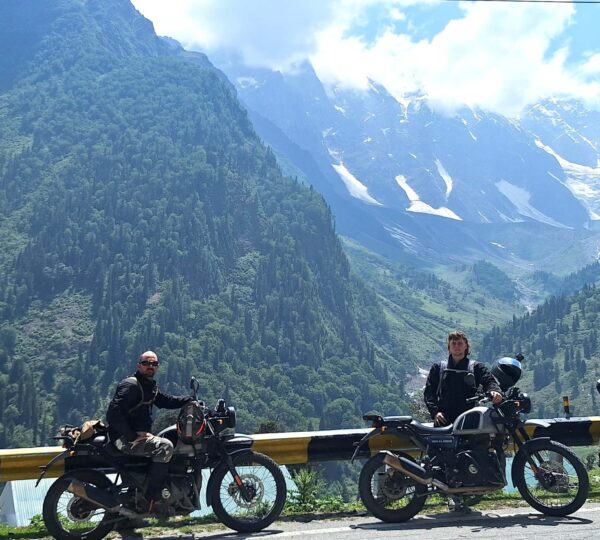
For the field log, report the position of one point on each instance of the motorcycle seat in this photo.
(99, 441)
(398, 419)
(430, 429)
(390, 421)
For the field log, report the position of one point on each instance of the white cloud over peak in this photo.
(497, 56)
(267, 33)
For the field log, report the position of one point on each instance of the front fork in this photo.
(236, 477)
(521, 437)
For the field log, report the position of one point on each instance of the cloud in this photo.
(500, 56)
(592, 65)
(267, 33)
(496, 57)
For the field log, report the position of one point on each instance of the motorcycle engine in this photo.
(179, 494)
(472, 468)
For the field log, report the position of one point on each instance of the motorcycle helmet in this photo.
(507, 372)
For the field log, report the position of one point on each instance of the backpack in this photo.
(191, 424)
(150, 402)
(444, 367)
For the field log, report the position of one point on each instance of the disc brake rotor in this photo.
(80, 510)
(392, 485)
(553, 477)
(254, 488)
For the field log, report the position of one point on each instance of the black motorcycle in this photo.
(468, 459)
(246, 489)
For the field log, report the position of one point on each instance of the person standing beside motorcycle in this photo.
(450, 384)
(129, 417)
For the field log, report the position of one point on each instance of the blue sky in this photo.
(498, 55)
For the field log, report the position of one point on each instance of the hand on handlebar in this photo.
(481, 399)
(496, 397)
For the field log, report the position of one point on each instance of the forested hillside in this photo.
(139, 210)
(562, 353)
(422, 308)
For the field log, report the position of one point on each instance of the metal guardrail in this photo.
(312, 446)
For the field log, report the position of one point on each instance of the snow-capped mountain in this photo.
(403, 174)
(571, 134)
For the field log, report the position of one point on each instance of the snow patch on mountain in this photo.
(418, 206)
(354, 186)
(484, 218)
(504, 217)
(445, 177)
(248, 82)
(409, 241)
(519, 198)
(568, 165)
(582, 181)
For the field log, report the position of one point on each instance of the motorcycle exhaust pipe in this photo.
(99, 498)
(413, 470)
(419, 474)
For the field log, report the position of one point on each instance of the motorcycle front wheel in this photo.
(387, 493)
(555, 482)
(265, 484)
(67, 517)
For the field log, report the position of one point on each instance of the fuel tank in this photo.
(476, 421)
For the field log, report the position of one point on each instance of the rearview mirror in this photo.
(194, 387)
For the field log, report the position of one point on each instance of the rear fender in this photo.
(46, 468)
(364, 440)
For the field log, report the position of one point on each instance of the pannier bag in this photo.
(88, 430)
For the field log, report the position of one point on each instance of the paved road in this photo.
(508, 524)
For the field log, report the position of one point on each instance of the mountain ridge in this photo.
(400, 161)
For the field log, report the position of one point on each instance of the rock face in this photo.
(411, 174)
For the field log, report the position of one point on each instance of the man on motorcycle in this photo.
(450, 384)
(129, 417)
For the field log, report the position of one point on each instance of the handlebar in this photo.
(480, 398)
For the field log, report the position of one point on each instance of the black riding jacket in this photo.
(126, 416)
(454, 391)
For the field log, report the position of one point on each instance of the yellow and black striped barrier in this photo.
(311, 446)
(25, 463)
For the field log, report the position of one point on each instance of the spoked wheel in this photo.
(387, 493)
(265, 485)
(556, 483)
(68, 517)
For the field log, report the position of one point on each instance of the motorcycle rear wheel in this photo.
(561, 484)
(263, 479)
(387, 493)
(67, 517)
